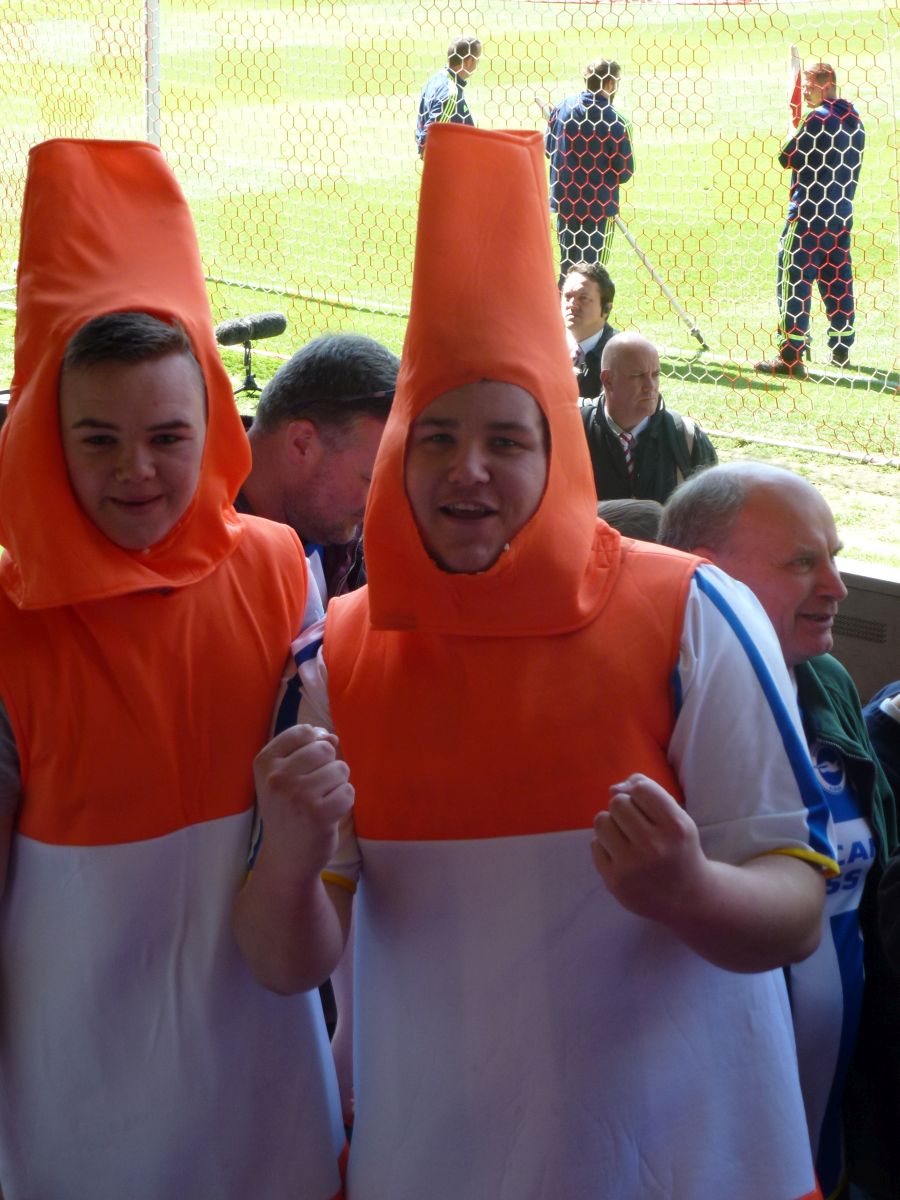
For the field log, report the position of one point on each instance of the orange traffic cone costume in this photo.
(519, 1033)
(139, 1059)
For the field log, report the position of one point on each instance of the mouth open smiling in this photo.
(462, 510)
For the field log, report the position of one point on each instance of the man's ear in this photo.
(606, 309)
(302, 440)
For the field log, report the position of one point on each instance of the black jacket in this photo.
(661, 455)
(588, 374)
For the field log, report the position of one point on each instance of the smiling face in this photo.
(476, 467)
(133, 437)
(783, 545)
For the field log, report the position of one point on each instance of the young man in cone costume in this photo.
(552, 1001)
(143, 632)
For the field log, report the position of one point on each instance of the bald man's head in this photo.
(772, 530)
(629, 372)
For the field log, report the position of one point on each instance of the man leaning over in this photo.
(314, 439)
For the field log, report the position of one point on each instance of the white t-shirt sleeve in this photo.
(315, 591)
(738, 747)
(317, 577)
(313, 707)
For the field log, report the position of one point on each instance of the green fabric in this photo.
(832, 712)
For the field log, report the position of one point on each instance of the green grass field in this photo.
(290, 127)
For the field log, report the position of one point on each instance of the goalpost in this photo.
(152, 71)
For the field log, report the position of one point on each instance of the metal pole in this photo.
(689, 321)
(151, 71)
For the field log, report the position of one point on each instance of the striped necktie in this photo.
(627, 440)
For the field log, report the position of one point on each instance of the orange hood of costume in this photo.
(118, 677)
(488, 705)
(481, 312)
(129, 246)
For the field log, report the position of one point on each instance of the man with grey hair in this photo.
(314, 439)
(639, 449)
(773, 531)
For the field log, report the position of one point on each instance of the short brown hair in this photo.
(332, 380)
(126, 337)
(600, 276)
(597, 72)
(462, 48)
(821, 73)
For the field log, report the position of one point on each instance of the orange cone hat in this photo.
(105, 228)
(485, 306)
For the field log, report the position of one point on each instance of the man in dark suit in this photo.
(587, 299)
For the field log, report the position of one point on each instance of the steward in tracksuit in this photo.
(443, 99)
(589, 146)
(825, 156)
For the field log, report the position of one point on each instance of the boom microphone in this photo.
(249, 329)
